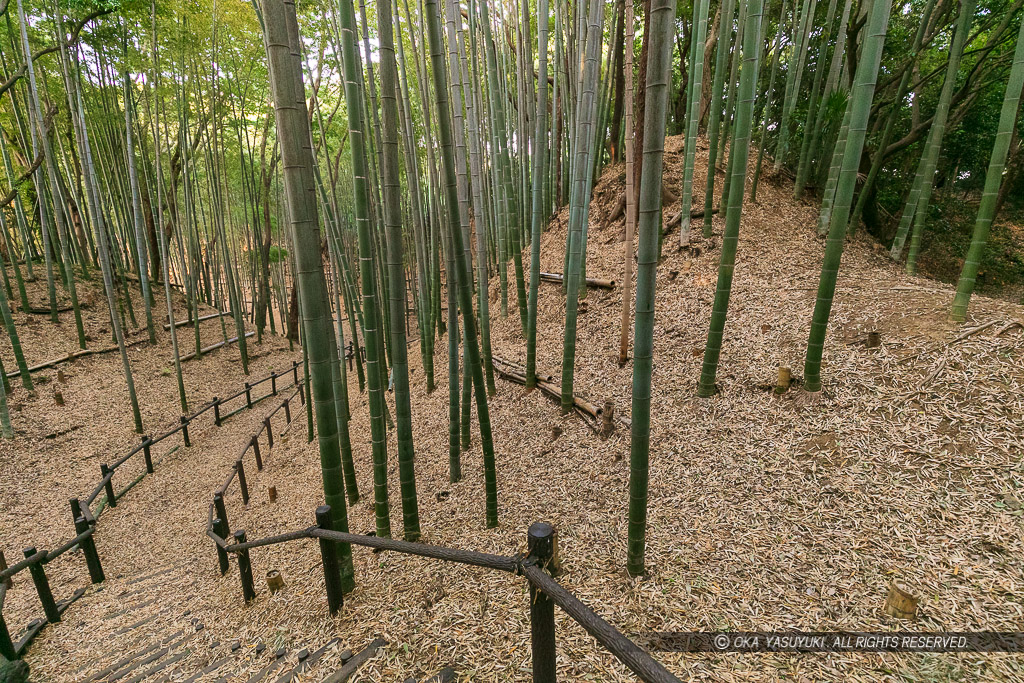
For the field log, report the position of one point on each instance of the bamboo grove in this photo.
(354, 176)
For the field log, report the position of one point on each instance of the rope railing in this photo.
(85, 520)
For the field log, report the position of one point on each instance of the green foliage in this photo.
(278, 254)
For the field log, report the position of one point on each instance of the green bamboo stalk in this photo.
(915, 209)
(580, 196)
(718, 79)
(993, 180)
(137, 219)
(391, 190)
(890, 123)
(630, 210)
(659, 68)
(540, 151)
(813, 104)
(462, 268)
(794, 75)
(281, 42)
(741, 150)
(858, 114)
(937, 130)
(767, 106)
(371, 331)
(12, 334)
(700, 31)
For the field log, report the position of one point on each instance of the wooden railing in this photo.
(85, 518)
(537, 566)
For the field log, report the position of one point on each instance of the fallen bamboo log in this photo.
(73, 356)
(42, 310)
(547, 384)
(214, 347)
(202, 318)
(675, 220)
(591, 281)
(516, 374)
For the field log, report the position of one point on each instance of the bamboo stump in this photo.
(608, 419)
(275, 581)
(900, 604)
(784, 380)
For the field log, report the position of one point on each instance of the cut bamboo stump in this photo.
(275, 581)
(900, 604)
(608, 419)
(874, 340)
(58, 397)
(785, 379)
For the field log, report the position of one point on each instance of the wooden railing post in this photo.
(270, 432)
(273, 383)
(248, 395)
(245, 569)
(6, 646)
(221, 529)
(216, 411)
(3, 565)
(541, 546)
(76, 511)
(147, 454)
(222, 513)
(184, 431)
(240, 467)
(287, 411)
(109, 486)
(43, 587)
(329, 555)
(295, 371)
(255, 443)
(88, 546)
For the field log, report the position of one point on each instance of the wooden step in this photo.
(306, 661)
(349, 668)
(261, 675)
(445, 675)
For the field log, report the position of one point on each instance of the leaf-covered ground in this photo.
(766, 512)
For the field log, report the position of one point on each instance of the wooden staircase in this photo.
(145, 632)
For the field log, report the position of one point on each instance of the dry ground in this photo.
(765, 513)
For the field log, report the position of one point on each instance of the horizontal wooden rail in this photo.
(628, 652)
(500, 562)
